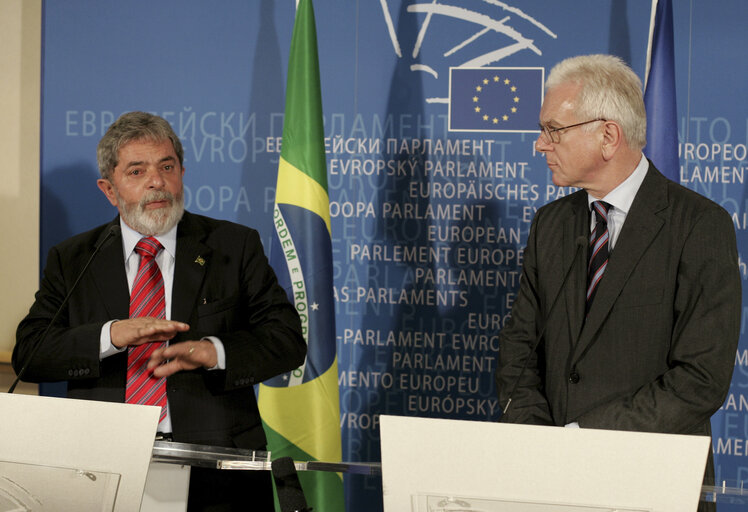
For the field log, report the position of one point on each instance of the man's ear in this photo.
(612, 139)
(108, 189)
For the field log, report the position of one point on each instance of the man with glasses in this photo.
(628, 313)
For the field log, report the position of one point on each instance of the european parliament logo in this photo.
(495, 99)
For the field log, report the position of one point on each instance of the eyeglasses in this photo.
(552, 135)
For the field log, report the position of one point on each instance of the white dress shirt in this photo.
(620, 198)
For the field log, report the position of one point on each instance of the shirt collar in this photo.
(130, 239)
(623, 195)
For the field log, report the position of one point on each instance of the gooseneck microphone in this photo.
(580, 242)
(288, 488)
(110, 233)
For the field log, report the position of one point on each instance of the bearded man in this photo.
(176, 310)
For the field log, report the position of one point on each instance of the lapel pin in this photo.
(200, 261)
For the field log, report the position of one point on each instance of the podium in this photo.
(64, 454)
(439, 501)
(442, 497)
(437, 464)
(429, 464)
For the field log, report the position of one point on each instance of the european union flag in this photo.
(495, 99)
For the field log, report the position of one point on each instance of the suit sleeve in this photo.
(705, 334)
(67, 352)
(265, 339)
(529, 404)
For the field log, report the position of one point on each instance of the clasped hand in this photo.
(165, 361)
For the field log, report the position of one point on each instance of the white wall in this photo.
(20, 64)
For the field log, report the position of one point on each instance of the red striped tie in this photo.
(146, 299)
(598, 250)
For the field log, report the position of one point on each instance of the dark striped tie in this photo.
(598, 250)
(146, 299)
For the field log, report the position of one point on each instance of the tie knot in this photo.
(601, 209)
(148, 246)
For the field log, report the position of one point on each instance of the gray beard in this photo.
(152, 222)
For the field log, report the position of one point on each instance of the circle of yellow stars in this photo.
(495, 80)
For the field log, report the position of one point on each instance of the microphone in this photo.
(290, 494)
(111, 232)
(580, 242)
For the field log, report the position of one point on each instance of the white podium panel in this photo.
(436, 464)
(63, 454)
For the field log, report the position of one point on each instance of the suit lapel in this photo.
(190, 265)
(108, 274)
(639, 230)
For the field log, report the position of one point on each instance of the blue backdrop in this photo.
(428, 224)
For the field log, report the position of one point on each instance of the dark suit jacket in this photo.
(657, 351)
(223, 286)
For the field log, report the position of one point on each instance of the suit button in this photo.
(574, 377)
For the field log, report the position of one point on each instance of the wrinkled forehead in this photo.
(163, 146)
(146, 151)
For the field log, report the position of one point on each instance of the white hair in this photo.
(609, 90)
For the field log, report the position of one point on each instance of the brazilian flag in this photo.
(301, 409)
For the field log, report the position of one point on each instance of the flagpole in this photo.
(652, 18)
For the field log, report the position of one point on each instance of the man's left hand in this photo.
(187, 355)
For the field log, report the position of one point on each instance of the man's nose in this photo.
(155, 180)
(541, 144)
